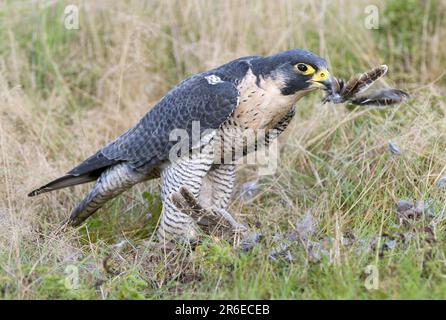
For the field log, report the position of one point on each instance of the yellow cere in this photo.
(321, 76)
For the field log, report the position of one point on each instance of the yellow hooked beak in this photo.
(321, 79)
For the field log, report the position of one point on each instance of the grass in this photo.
(64, 93)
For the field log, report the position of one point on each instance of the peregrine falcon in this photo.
(250, 93)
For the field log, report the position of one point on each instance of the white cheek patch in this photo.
(213, 79)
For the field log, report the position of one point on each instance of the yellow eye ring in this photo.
(304, 69)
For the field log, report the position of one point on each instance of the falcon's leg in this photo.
(195, 196)
(216, 192)
(187, 172)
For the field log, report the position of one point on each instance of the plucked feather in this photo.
(341, 91)
(383, 97)
(359, 83)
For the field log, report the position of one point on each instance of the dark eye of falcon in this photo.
(302, 67)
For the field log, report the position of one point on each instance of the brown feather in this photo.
(207, 220)
(360, 83)
(383, 97)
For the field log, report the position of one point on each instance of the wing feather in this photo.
(209, 98)
(195, 99)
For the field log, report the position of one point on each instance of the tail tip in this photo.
(36, 192)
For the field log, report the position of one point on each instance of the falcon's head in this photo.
(296, 70)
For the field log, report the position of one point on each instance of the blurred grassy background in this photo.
(64, 93)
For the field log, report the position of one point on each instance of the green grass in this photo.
(65, 93)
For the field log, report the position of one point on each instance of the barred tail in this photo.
(110, 184)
